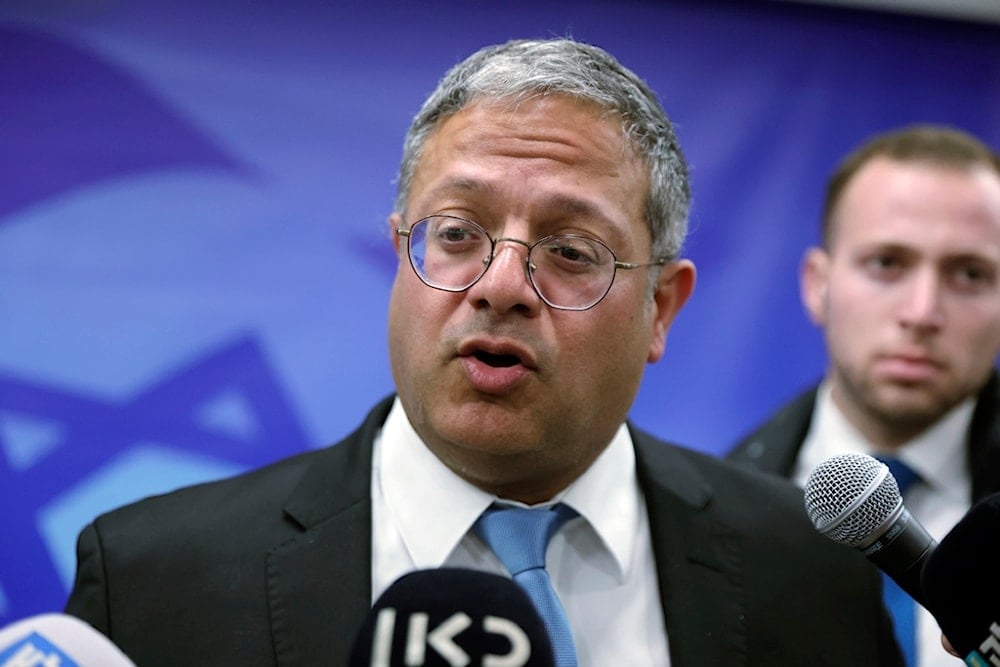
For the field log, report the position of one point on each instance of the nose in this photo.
(505, 286)
(922, 307)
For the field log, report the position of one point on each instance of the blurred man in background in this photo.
(906, 288)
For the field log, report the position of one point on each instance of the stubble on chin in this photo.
(907, 408)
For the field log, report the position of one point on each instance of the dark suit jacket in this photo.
(774, 446)
(273, 567)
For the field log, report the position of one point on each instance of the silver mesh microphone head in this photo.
(851, 497)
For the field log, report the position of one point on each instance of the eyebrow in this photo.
(462, 185)
(950, 257)
(565, 204)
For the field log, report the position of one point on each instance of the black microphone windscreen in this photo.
(452, 616)
(961, 583)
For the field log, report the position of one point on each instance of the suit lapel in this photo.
(319, 582)
(698, 560)
(774, 447)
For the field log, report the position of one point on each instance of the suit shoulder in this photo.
(749, 500)
(773, 445)
(223, 500)
(731, 478)
(254, 495)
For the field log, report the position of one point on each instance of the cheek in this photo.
(418, 318)
(413, 303)
(852, 325)
(982, 345)
(853, 309)
(407, 323)
(620, 355)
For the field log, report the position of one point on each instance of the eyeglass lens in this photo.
(567, 271)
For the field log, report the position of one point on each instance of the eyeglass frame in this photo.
(528, 268)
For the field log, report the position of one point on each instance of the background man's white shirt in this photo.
(938, 503)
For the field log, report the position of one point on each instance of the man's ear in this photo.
(814, 276)
(395, 222)
(673, 287)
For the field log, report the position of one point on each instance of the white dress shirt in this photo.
(601, 563)
(938, 501)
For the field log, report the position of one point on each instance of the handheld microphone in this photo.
(962, 587)
(451, 617)
(854, 500)
(57, 640)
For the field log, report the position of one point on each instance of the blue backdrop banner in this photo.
(194, 261)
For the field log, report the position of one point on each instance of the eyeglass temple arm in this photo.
(636, 265)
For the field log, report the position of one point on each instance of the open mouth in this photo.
(497, 360)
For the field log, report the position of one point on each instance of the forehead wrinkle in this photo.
(566, 148)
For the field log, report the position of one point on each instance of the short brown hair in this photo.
(934, 144)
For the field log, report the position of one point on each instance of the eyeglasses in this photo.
(567, 271)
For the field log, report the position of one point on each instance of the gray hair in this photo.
(520, 69)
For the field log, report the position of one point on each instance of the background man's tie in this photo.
(901, 606)
(519, 537)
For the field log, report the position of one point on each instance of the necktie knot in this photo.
(519, 536)
(904, 474)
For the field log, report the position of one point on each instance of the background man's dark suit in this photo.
(774, 446)
(276, 564)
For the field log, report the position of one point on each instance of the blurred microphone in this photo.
(854, 500)
(452, 617)
(57, 640)
(962, 586)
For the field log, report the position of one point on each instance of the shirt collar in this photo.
(417, 485)
(607, 495)
(432, 507)
(937, 454)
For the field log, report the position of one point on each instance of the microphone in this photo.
(853, 499)
(57, 640)
(961, 584)
(451, 617)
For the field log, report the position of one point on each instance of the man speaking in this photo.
(541, 212)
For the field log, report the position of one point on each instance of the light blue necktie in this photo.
(519, 537)
(901, 606)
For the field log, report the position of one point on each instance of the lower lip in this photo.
(907, 370)
(491, 379)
